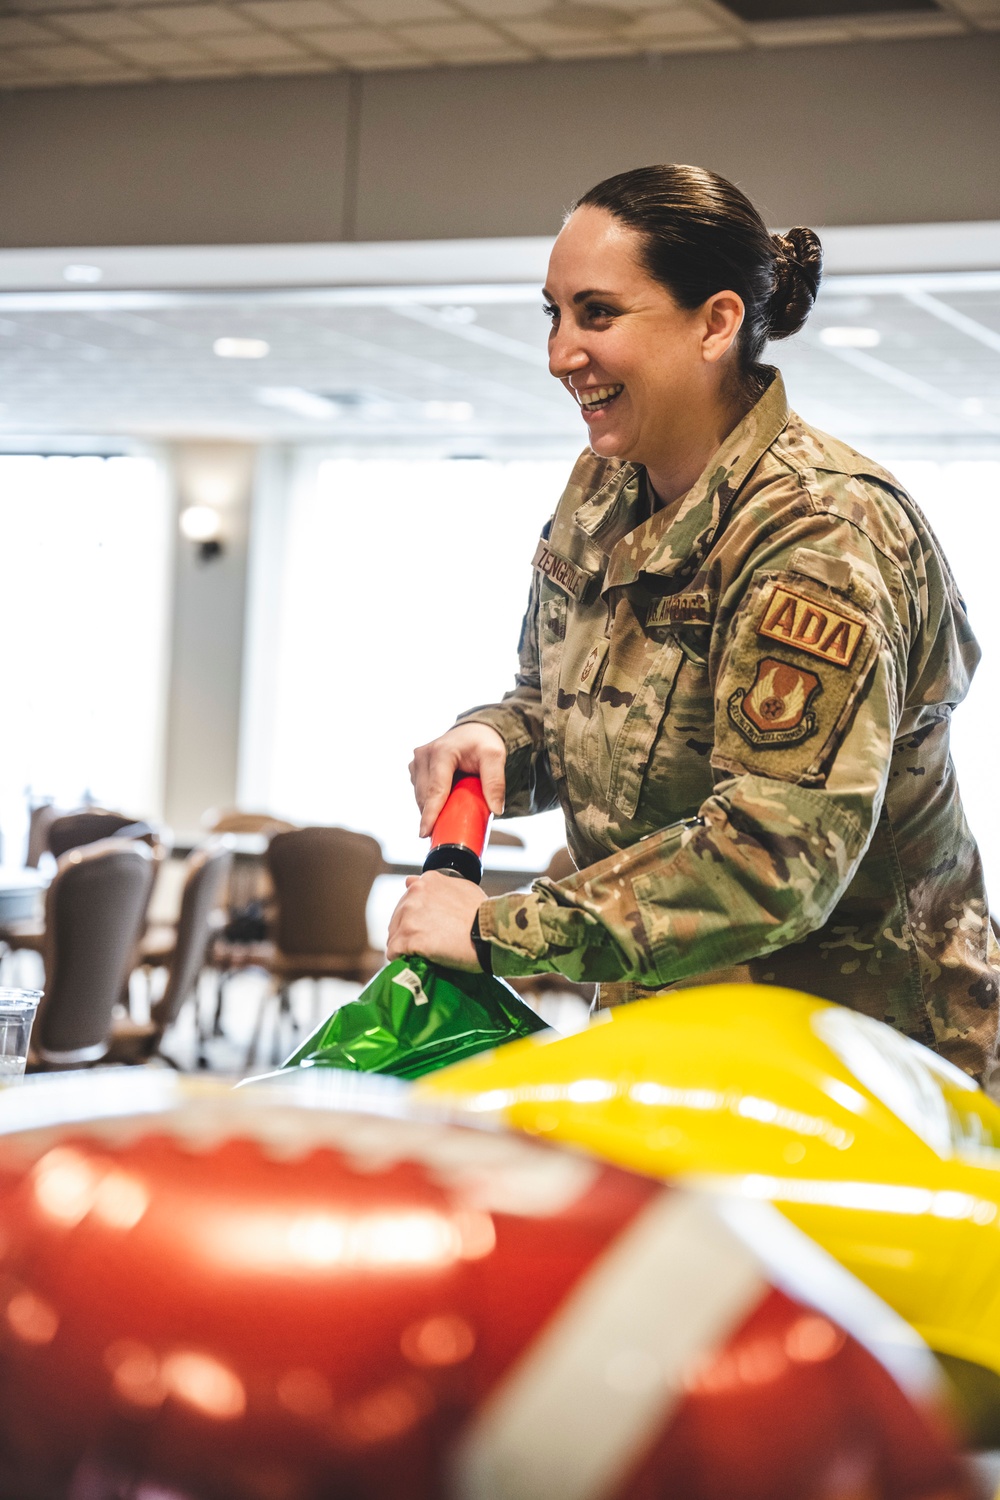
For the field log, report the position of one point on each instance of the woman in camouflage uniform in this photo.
(738, 665)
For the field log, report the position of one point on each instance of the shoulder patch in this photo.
(774, 709)
(818, 629)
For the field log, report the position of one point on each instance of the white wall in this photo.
(869, 133)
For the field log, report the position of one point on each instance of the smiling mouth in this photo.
(599, 398)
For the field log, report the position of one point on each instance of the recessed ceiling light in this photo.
(241, 348)
(449, 314)
(848, 337)
(82, 275)
(303, 403)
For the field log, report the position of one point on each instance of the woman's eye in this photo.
(550, 311)
(598, 311)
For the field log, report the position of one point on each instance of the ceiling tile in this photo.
(680, 20)
(389, 12)
(197, 20)
(301, 63)
(502, 52)
(501, 11)
(570, 46)
(16, 31)
(159, 52)
(104, 25)
(261, 45)
(293, 15)
(443, 37)
(366, 41)
(372, 62)
(65, 58)
(543, 34)
(722, 41)
(798, 33)
(889, 27)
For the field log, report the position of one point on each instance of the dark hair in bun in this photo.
(701, 235)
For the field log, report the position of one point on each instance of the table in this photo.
(20, 893)
(497, 880)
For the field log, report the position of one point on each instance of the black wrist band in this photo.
(483, 947)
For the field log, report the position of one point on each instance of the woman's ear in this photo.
(723, 318)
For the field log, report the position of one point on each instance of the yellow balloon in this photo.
(885, 1154)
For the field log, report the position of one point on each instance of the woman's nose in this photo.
(566, 355)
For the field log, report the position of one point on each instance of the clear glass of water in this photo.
(17, 1013)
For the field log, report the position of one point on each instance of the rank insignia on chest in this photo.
(774, 711)
(794, 620)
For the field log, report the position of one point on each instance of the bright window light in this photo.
(84, 568)
(241, 348)
(850, 338)
(400, 604)
(962, 503)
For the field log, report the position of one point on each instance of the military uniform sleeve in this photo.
(807, 697)
(518, 721)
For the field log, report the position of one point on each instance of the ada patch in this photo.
(794, 620)
(774, 711)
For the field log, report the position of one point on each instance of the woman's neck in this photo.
(672, 473)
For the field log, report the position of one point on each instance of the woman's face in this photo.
(634, 361)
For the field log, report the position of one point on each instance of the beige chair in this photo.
(206, 874)
(94, 911)
(74, 830)
(322, 879)
(40, 820)
(243, 943)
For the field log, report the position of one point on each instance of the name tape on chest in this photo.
(793, 620)
(678, 609)
(561, 571)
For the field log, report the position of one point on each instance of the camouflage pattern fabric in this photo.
(742, 705)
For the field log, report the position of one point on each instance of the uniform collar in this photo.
(668, 549)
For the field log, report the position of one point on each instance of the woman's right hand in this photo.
(474, 748)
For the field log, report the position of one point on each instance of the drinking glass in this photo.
(17, 1012)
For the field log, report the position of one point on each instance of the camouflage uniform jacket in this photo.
(742, 706)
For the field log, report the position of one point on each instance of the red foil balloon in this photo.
(217, 1296)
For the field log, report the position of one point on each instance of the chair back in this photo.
(206, 873)
(73, 830)
(40, 821)
(94, 910)
(560, 866)
(322, 879)
(232, 820)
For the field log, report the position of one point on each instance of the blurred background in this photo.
(277, 434)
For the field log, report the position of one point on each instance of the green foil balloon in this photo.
(414, 1017)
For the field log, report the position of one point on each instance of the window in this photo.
(403, 591)
(84, 555)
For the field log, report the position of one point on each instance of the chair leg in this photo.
(258, 1025)
(284, 1010)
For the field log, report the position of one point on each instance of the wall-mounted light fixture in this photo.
(202, 525)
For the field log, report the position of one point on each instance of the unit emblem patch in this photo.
(774, 711)
(793, 620)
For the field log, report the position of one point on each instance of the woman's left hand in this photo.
(433, 920)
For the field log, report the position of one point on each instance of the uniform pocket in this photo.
(642, 723)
